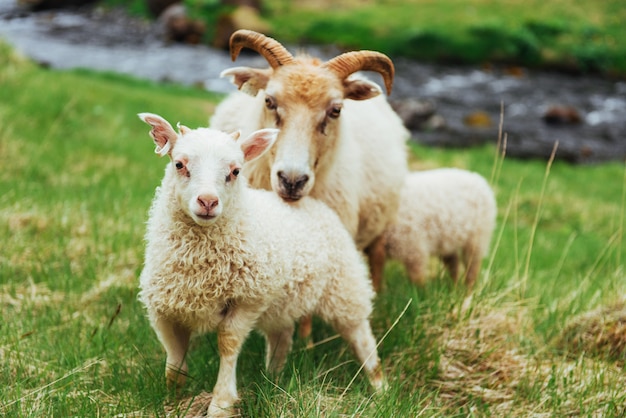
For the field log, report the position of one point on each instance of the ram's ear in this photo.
(248, 80)
(360, 89)
(257, 143)
(162, 133)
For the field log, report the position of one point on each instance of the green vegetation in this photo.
(568, 34)
(78, 174)
(571, 35)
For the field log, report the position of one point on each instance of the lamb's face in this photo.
(206, 165)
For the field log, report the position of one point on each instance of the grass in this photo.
(565, 34)
(541, 335)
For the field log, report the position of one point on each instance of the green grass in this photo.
(568, 34)
(572, 35)
(78, 174)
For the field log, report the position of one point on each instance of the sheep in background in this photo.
(224, 257)
(449, 213)
(339, 141)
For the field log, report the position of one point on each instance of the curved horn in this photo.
(272, 50)
(350, 62)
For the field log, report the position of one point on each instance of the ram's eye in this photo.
(179, 165)
(334, 112)
(270, 103)
(235, 172)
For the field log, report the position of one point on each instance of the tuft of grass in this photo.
(538, 336)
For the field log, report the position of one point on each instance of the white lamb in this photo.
(223, 257)
(449, 213)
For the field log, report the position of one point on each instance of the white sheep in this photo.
(223, 257)
(449, 213)
(339, 141)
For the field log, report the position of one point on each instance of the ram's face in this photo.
(305, 104)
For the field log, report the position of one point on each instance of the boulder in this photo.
(177, 26)
(53, 4)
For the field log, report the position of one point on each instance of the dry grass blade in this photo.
(67, 375)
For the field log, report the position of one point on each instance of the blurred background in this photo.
(555, 70)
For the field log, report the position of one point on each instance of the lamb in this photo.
(223, 257)
(449, 213)
(339, 141)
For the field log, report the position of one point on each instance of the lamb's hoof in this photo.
(192, 406)
(222, 412)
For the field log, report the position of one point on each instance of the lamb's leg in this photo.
(376, 256)
(278, 346)
(175, 340)
(347, 305)
(452, 265)
(305, 328)
(362, 341)
(231, 334)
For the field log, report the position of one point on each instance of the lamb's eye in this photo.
(181, 168)
(270, 103)
(334, 112)
(232, 175)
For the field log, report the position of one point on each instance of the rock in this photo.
(562, 115)
(243, 17)
(156, 7)
(478, 119)
(53, 4)
(514, 71)
(178, 27)
(418, 115)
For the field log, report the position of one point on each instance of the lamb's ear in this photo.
(235, 135)
(248, 80)
(162, 133)
(257, 143)
(182, 129)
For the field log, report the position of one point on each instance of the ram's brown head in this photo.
(304, 98)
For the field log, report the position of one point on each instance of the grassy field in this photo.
(542, 335)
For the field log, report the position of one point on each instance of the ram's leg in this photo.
(175, 340)
(231, 334)
(452, 265)
(376, 256)
(278, 346)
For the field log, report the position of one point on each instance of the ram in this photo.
(221, 256)
(339, 139)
